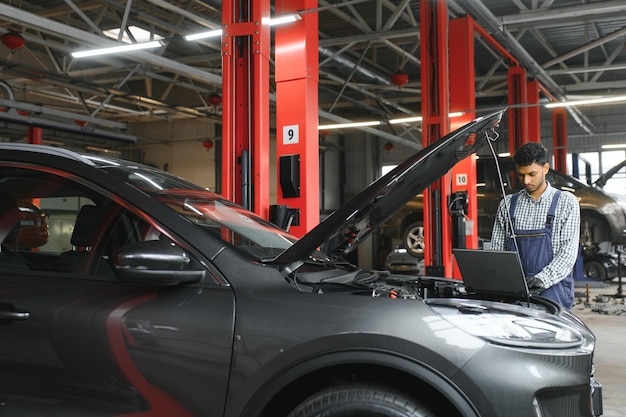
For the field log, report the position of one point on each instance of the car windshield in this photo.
(246, 232)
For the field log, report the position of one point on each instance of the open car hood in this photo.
(349, 225)
(602, 180)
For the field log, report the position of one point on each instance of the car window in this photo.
(248, 234)
(52, 223)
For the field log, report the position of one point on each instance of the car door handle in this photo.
(9, 313)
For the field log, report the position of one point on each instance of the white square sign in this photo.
(291, 135)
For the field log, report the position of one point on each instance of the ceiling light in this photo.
(278, 20)
(203, 35)
(617, 146)
(344, 125)
(285, 18)
(601, 100)
(413, 119)
(117, 49)
(420, 118)
(406, 120)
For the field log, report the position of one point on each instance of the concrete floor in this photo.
(599, 307)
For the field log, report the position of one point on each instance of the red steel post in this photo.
(435, 107)
(461, 56)
(245, 92)
(559, 139)
(297, 77)
(534, 119)
(518, 112)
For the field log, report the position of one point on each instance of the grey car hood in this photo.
(349, 225)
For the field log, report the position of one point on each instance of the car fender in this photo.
(286, 375)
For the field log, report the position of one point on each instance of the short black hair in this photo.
(529, 153)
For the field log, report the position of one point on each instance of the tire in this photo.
(413, 239)
(359, 400)
(595, 271)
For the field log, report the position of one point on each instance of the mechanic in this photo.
(546, 226)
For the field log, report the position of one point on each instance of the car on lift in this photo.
(603, 216)
(156, 297)
(602, 266)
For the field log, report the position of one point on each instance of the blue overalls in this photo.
(535, 252)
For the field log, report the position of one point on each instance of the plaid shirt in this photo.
(531, 214)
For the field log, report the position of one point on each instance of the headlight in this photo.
(512, 328)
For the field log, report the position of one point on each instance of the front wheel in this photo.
(413, 239)
(595, 270)
(359, 400)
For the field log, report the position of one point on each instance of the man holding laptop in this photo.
(546, 225)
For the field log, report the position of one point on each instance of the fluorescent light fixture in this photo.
(616, 146)
(601, 100)
(413, 119)
(504, 154)
(278, 20)
(406, 120)
(285, 18)
(420, 118)
(203, 35)
(344, 125)
(117, 49)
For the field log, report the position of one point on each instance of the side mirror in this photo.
(155, 262)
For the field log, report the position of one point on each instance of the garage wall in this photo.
(183, 153)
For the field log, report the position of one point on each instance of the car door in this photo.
(74, 341)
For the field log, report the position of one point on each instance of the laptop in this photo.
(497, 273)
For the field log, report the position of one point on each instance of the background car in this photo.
(401, 262)
(603, 218)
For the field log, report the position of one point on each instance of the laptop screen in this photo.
(492, 272)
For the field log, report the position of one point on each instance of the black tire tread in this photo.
(359, 400)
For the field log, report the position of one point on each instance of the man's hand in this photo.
(534, 282)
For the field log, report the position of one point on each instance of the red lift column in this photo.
(297, 139)
(461, 56)
(245, 91)
(34, 135)
(518, 115)
(435, 105)
(534, 119)
(559, 139)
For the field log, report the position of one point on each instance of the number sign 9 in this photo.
(291, 134)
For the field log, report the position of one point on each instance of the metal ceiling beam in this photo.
(490, 22)
(377, 36)
(379, 133)
(617, 34)
(85, 38)
(582, 12)
(14, 117)
(69, 116)
(61, 80)
(184, 13)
